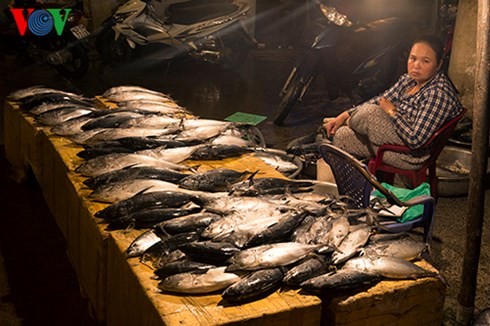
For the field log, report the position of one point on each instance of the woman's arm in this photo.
(331, 125)
(393, 92)
(436, 106)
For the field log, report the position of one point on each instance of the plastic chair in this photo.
(435, 145)
(354, 180)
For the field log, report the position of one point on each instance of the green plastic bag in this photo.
(405, 194)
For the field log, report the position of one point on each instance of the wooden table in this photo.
(121, 291)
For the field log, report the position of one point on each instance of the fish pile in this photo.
(147, 124)
(247, 246)
(219, 230)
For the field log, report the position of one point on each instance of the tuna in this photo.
(215, 279)
(254, 286)
(340, 280)
(269, 255)
(390, 267)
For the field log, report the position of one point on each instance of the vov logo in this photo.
(41, 21)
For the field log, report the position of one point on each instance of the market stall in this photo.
(122, 290)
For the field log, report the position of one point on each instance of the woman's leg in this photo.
(370, 120)
(351, 142)
(373, 123)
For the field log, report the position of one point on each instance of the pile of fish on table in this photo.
(219, 230)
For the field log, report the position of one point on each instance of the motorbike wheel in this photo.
(289, 100)
(115, 53)
(77, 64)
(235, 51)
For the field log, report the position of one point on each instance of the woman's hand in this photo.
(387, 106)
(331, 125)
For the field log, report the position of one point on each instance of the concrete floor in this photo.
(210, 93)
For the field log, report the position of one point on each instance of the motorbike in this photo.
(359, 59)
(67, 52)
(208, 30)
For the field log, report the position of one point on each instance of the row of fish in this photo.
(217, 230)
(154, 123)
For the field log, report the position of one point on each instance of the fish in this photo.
(120, 190)
(71, 127)
(243, 222)
(43, 108)
(269, 255)
(151, 121)
(310, 267)
(280, 231)
(338, 231)
(200, 133)
(167, 259)
(254, 286)
(150, 217)
(144, 241)
(351, 244)
(131, 88)
(262, 186)
(240, 227)
(181, 266)
(135, 95)
(157, 255)
(58, 116)
(407, 249)
(82, 137)
(158, 199)
(28, 103)
(189, 222)
(219, 152)
(139, 143)
(276, 161)
(230, 140)
(342, 279)
(20, 94)
(111, 120)
(174, 155)
(209, 251)
(228, 204)
(198, 123)
(111, 162)
(214, 279)
(213, 180)
(118, 133)
(160, 254)
(137, 103)
(96, 151)
(302, 233)
(135, 172)
(389, 267)
(158, 106)
(315, 208)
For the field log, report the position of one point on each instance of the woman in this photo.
(408, 113)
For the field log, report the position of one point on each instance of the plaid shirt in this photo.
(420, 115)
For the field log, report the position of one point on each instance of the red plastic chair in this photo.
(435, 145)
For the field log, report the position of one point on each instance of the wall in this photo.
(463, 56)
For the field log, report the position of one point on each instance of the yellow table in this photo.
(121, 291)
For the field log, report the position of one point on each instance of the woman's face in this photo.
(422, 63)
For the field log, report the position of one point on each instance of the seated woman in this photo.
(408, 113)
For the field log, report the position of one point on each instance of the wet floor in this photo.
(211, 92)
(203, 88)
